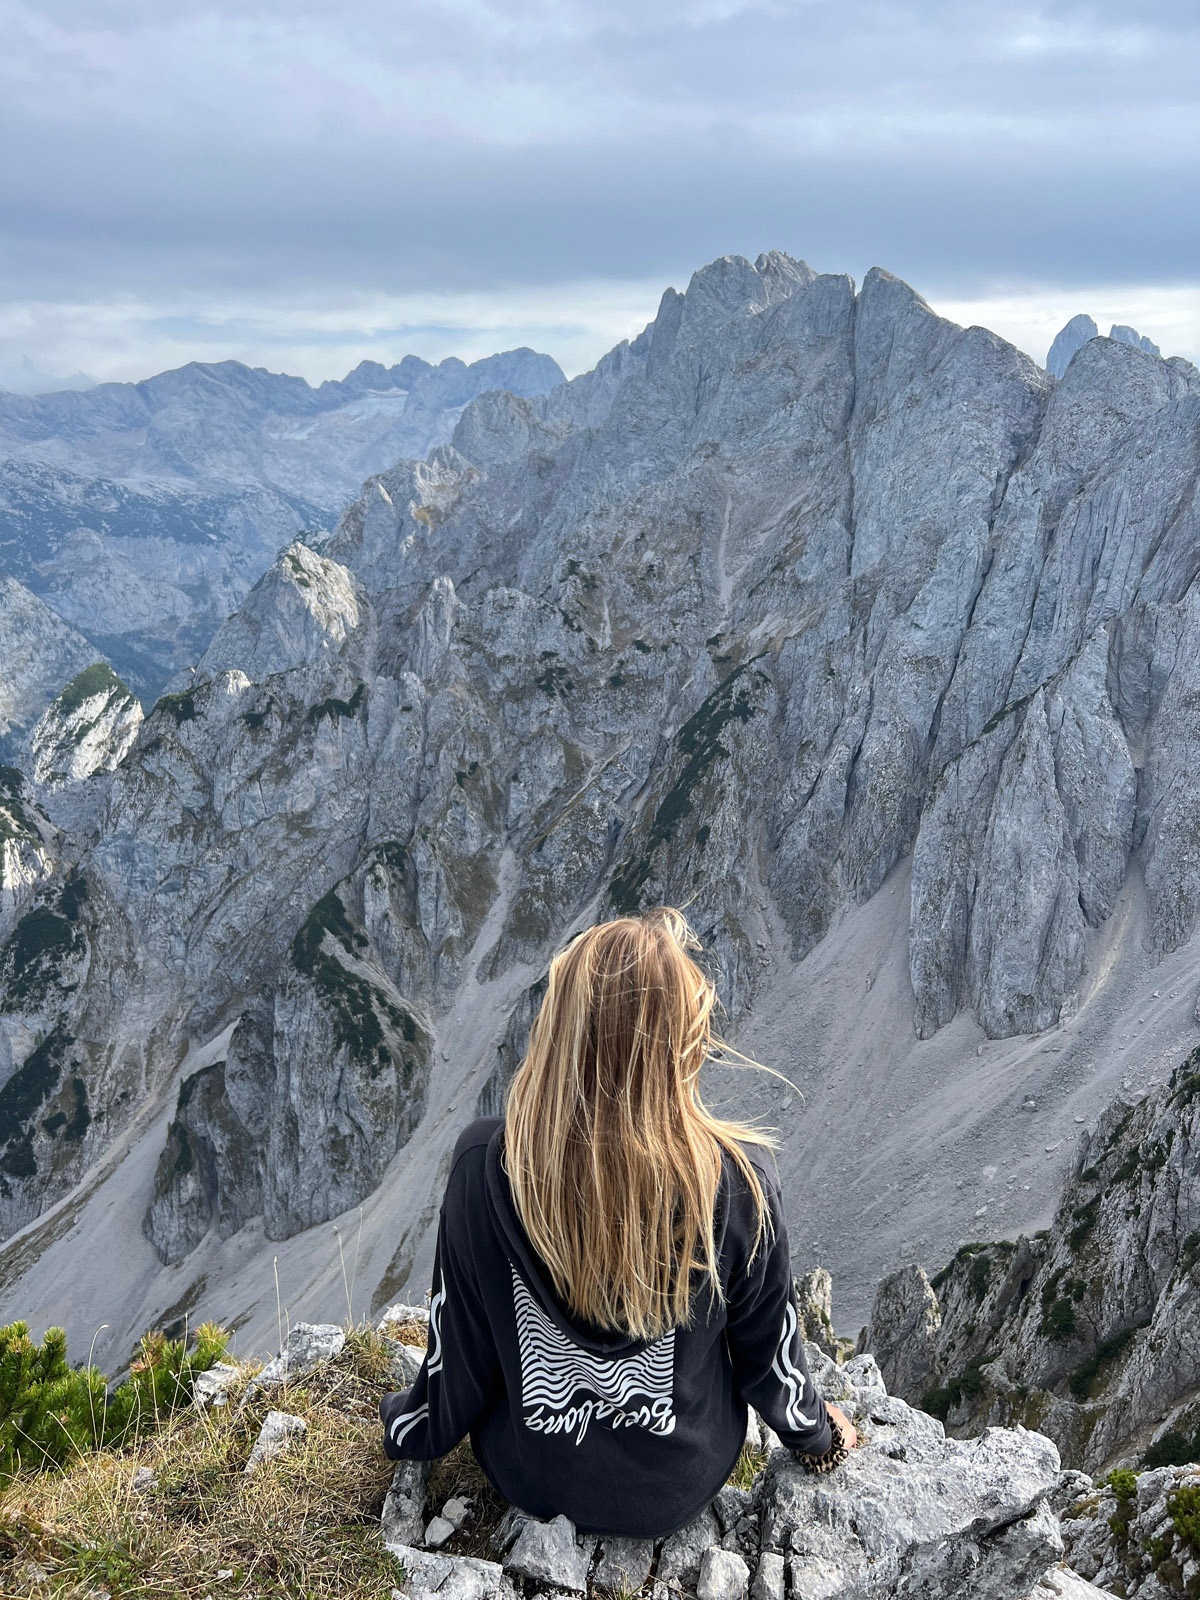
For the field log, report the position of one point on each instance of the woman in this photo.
(611, 1285)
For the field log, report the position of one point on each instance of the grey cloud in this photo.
(459, 145)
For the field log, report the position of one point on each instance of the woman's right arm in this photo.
(461, 1367)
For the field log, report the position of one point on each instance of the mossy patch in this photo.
(35, 952)
(180, 708)
(95, 680)
(356, 1004)
(32, 1084)
(15, 820)
(1083, 1382)
(968, 1385)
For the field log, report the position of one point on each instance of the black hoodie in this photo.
(622, 1435)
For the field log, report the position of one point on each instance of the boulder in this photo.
(447, 1577)
(547, 1552)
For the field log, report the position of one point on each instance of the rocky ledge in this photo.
(911, 1514)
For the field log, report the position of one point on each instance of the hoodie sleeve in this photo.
(766, 1343)
(461, 1369)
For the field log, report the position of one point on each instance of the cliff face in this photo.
(1086, 1331)
(805, 594)
(38, 654)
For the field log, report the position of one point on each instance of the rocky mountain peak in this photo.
(89, 728)
(1080, 331)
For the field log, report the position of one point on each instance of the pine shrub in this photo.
(51, 1412)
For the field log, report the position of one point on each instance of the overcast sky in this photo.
(300, 185)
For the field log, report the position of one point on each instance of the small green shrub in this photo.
(51, 1412)
(1123, 1483)
(1174, 1449)
(1184, 1506)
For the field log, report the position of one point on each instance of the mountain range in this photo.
(141, 513)
(854, 631)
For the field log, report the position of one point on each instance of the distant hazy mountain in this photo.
(143, 512)
(39, 653)
(1079, 330)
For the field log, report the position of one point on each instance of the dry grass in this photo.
(412, 1331)
(304, 1526)
(747, 1467)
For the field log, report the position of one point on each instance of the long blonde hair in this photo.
(612, 1158)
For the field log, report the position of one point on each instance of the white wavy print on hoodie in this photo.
(555, 1374)
(789, 1374)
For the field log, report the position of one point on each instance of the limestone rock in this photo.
(623, 1564)
(403, 1517)
(211, 1387)
(723, 1576)
(1128, 1538)
(814, 1301)
(278, 1433)
(88, 728)
(448, 1577)
(770, 1577)
(308, 1345)
(1067, 340)
(547, 1552)
(1124, 334)
(902, 1333)
(40, 653)
(1060, 1583)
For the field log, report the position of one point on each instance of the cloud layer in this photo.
(285, 182)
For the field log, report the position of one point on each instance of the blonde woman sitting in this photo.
(612, 1286)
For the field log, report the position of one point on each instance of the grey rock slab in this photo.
(308, 1345)
(449, 1577)
(1060, 1583)
(911, 1503)
(770, 1578)
(623, 1563)
(403, 1516)
(547, 1552)
(279, 1432)
(437, 1531)
(723, 1576)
